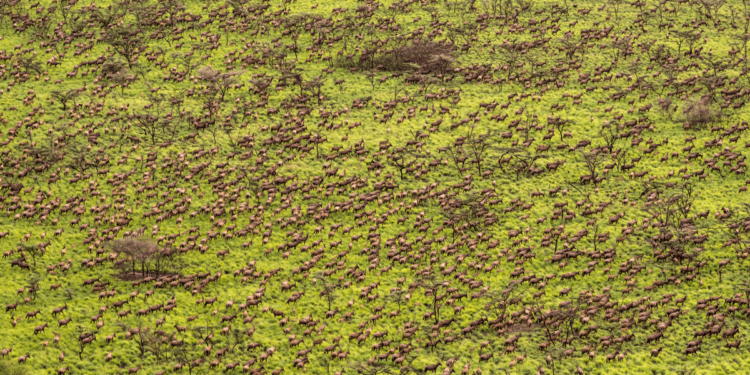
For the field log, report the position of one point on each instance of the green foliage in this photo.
(131, 123)
(10, 368)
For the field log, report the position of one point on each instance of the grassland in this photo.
(381, 162)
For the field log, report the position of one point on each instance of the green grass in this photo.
(718, 190)
(9, 368)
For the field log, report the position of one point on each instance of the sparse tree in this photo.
(432, 286)
(328, 290)
(609, 135)
(85, 337)
(64, 97)
(125, 40)
(219, 83)
(478, 146)
(592, 161)
(138, 251)
(35, 251)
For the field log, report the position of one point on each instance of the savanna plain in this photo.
(374, 187)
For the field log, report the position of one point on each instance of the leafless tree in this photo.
(592, 161)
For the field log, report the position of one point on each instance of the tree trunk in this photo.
(434, 306)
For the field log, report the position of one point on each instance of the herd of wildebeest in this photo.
(396, 187)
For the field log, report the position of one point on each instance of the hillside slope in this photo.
(477, 187)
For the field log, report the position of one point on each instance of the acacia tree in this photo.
(138, 251)
(712, 6)
(64, 97)
(125, 40)
(328, 289)
(155, 343)
(511, 52)
(620, 157)
(78, 156)
(150, 125)
(317, 140)
(366, 368)
(187, 354)
(559, 124)
(525, 163)
(171, 8)
(116, 72)
(548, 321)
(34, 251)
(218, 83)
(592, 161)
(398, 297)
(237, 337)
(403, 159)
(685, 37)
(478, 145)
(465, 209)
(46, 152)
(141, 338)
(500, 299)
(667, 209)
(610, 135)
(188, 60)
(30, 63)
(315, 86)
(104, 16)
(665, 104)
(253, 182)
(442, 61)
(615, 6)
(32, 285)
(458, 156)
(738, 231)
(685, 370)
(65, 7)
(432, 286)
(85, 337)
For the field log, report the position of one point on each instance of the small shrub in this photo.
(699, 113)
(426, 56)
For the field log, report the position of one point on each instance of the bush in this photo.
(430, 56)
(699, 113)
(427, 56)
